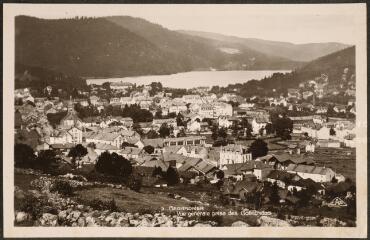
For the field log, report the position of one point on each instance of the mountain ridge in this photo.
(293, 51)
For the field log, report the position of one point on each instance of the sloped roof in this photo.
(155, 142)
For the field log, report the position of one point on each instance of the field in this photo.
(341, 160)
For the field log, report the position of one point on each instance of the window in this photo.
(197, 141)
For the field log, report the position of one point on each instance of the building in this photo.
(316, 173)
(233, 153)
(120, 85)
(157, 123)
(189, 140)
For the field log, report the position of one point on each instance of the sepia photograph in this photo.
(118, 117)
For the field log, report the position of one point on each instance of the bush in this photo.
(62, 187)
(134, 183)
(30, 204)
(98, 204)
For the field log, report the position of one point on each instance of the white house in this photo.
(316, 173)
(233, 153)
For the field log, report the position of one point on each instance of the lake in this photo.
(193, 79)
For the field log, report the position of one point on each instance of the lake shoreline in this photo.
(193, 78)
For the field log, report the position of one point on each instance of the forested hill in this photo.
(125, 46)
(297, 52)
(88, 47)
(332, 65)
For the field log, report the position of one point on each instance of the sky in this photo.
(295, 23)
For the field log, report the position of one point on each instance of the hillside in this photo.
(198, 52)
(296, 52)
(88, 47)
(332, 65)
(39, 78)
(125, 46)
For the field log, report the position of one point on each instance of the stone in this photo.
(273, 222)
(145, 223)
(81, 222)
(239, 224)
(21, 217)
(74, 215)
(134, 222)
(90, 222)
(202, 225)
(62, 215)
(184, 223)
(49, 219)
(168, 223)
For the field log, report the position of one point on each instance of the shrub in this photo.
(31, 204)
(62, 187)
(134, 183)
(103, 205)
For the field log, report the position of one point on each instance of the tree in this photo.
(77, 151)
(258, 148)
(149, 149)
(332, 132)
(220, 174)
(152, 134)
(23, 156)
(274, 197)
(158, 114)
(247, 127)
(106, 86)
(269, 128)
(113, 164)
(283, 127)
(181, 133)
(180, 120)
(164, 130)
(172, 176)
(157, 171)
(137, 128)
(46, 159)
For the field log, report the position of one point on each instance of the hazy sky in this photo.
(292, 23)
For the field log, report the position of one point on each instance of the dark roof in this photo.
(281, 175)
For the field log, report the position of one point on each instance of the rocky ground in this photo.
(42, 207)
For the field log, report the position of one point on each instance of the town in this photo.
(291, 153)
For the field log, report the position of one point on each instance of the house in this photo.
(71, 119)
(74, 135)
(192, 98)
(157, 143)
(194, 126)
(258, 123)
(328, 143)
(177, 107)
(131, 153)
(189, 140)
(206, 110)
(222, 109)
(233, 153)
(316, 173)
(94, 100)
(293, 93)
(282, 178)
(193, 151)
(157, 123)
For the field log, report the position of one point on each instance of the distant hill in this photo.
(295, 52)
(88, 47)
(125, 46)
(200, 53)
(332, 65)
